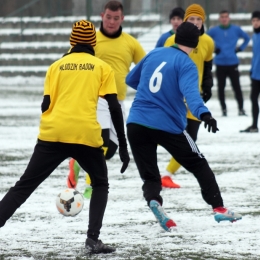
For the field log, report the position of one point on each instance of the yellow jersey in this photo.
(203, 52)
(119, 53)
(74, 84)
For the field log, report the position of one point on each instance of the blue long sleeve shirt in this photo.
(255, 63)
(225, 39)
(163, 38)
(163, 78)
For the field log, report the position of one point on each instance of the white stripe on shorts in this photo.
(193, 146)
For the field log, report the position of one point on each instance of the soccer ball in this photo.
(69, 202)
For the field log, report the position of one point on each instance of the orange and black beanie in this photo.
(83, 32)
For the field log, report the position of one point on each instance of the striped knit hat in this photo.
(83, 32)
(195, 10)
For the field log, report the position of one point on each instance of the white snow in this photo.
(23, 45)
(67, 31)
(38, 231)
(30, 56)
(151, 17)
(94, 18)
(23, 69)
(235, 16)
(247, 28)
(9, 32)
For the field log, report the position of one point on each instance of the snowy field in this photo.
(38, 231)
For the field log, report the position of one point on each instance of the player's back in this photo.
(165, 75)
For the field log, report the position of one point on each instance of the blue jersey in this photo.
(226, 40)
(163, 79)
(255, 68)
(163, 38)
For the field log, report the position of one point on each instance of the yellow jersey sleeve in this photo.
(210, 46)
(170, 41)
(139, 52)
(108, 85)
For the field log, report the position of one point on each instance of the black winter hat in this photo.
(187, 34)
(256, 14)
(178, 11)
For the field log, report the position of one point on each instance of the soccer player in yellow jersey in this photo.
(202, 56)
(119, 50)
(69, 128)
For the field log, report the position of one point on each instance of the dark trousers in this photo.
(254, 95)
(144, 142)
(222, 72)
(45, 159)
(193, 128)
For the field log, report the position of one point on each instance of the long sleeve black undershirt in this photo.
(117, 117)
(207, 79)
(46, 103)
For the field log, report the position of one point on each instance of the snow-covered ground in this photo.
(38, 231)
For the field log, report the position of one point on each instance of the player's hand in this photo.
(206, 94)
(124, 156)
(210, 122)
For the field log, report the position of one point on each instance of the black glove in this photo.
(237, 49)
(217, 51)
(124, 156)
(210, 122)
(206, 93)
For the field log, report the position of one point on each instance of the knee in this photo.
(101, 187)
(99, 182)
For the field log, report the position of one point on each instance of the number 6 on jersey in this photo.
(156, 79)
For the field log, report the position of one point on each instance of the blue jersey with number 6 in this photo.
(163, 79)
